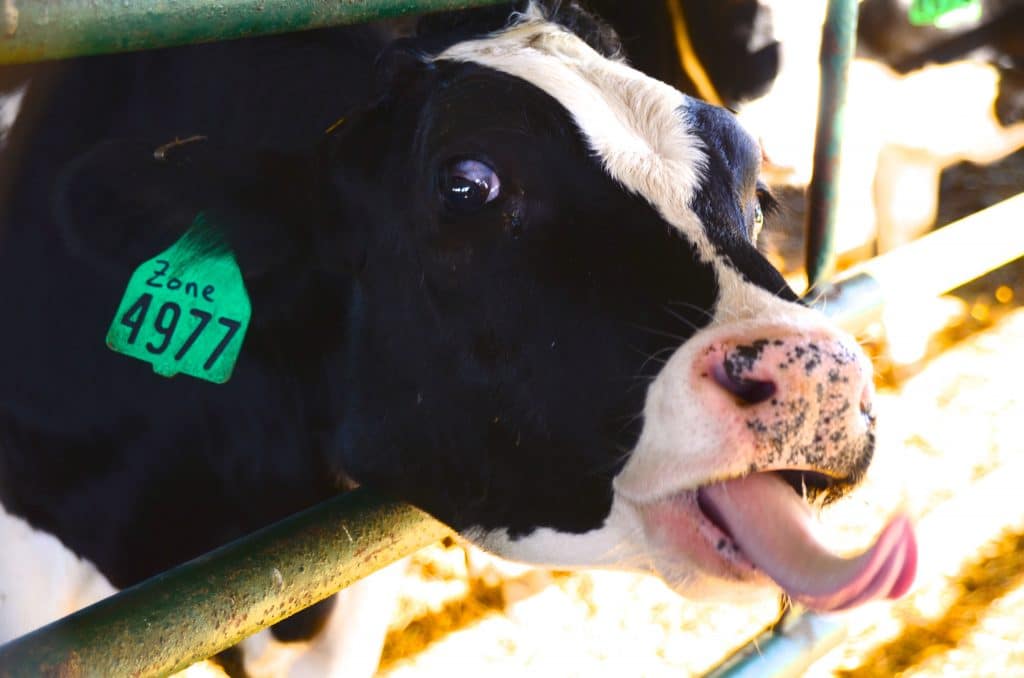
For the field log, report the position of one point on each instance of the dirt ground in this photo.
(951, 446)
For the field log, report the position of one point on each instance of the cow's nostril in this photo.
(748, 391)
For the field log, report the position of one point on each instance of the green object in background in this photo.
(943, 13)
(186, 310)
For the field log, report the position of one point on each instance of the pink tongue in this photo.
(772, 526)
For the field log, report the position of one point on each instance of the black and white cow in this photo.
(723, 52)
(515, 285)
(989, 31)
(921, 98)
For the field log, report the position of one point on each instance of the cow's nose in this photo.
(792, 370)
(747, 391)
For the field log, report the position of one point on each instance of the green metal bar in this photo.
(36, 30)
(837, 43)
(209, 604)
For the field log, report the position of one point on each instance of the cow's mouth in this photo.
(760, 525)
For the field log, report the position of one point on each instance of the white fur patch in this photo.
(616, 544)
(634, 124)
(41, 580)
(10, 105)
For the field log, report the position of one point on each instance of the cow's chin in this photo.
(690, 565)
(686, 543)
(690, 581)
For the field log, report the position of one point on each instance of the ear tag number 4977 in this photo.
(185, 311)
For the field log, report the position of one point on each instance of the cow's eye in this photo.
(765, 203)
(467, 185)
(758, 219)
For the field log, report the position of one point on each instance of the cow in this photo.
(492, 270)
(902, 124)
(987, 32)
(976, 52)
(722, 52)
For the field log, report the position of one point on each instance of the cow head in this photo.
(560, 337)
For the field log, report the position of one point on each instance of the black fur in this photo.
(731, 39)
(724, 205)
(305, 624)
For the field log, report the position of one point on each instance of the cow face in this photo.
(564, 342)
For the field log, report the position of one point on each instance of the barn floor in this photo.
(951, 448)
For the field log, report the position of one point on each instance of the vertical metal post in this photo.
(837, 43)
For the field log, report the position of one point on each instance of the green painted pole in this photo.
(36, 30)
(838, 38)
(209, 604)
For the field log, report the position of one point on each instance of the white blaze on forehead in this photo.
(634, 124)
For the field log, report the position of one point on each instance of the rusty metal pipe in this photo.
(207, 605)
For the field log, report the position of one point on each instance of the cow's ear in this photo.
(125, 201)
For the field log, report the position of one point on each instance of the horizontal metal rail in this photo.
(36, 30)
(207, 605)
(928, 266)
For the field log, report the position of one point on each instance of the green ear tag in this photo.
(186, 310)
(945, 14)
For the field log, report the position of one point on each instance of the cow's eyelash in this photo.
(769, 203)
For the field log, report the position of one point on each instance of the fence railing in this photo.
(207, 605)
